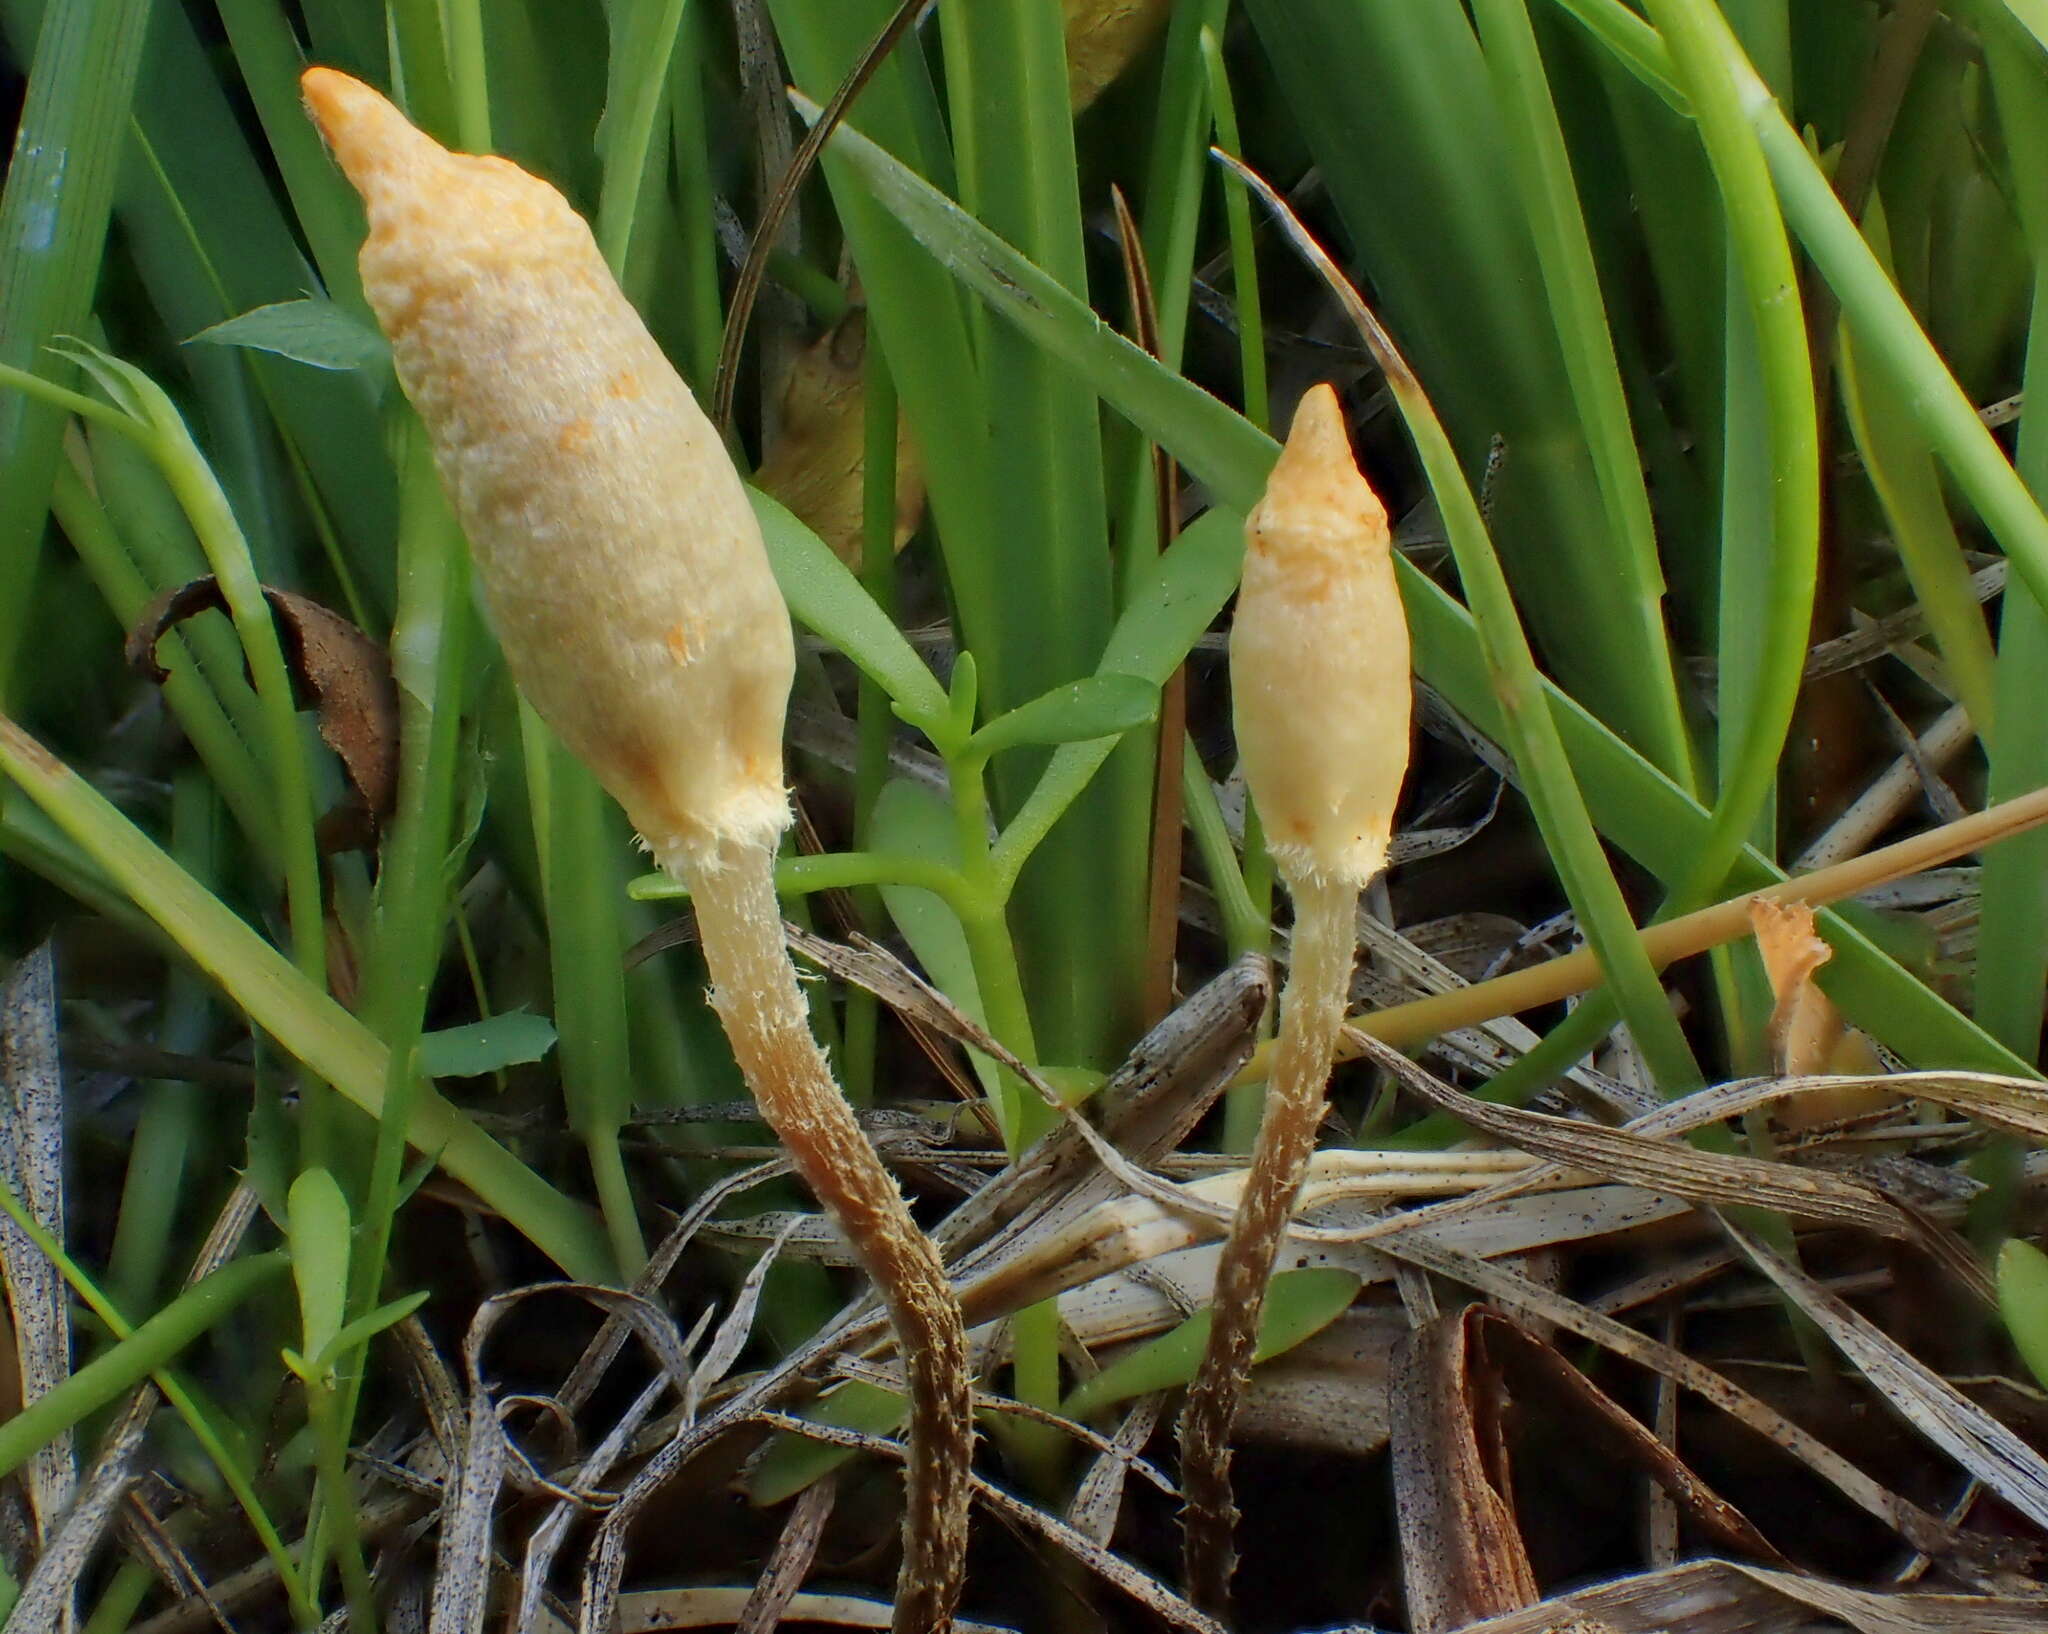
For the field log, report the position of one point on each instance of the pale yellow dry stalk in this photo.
(629, 587)
(1319, 679)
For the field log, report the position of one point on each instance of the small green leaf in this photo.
(485, 1046)
(2023, 1300)
(793, 1462)
(1299, 1304)
(828, 600)
(317, 1227)
(365, 1328)
(1100, 706)
(314, 332)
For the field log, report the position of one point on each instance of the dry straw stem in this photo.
(1320, 687)
(1407, 1025)
(630, 590)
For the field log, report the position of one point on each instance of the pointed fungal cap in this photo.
(370, 139)
(1319, 659)
(617, 552)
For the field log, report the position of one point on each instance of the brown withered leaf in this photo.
(1615, 1434)
(335, 669)
(1462, 1556)
(818, 464)
(1456, 1380)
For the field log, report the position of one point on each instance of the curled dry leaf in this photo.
(1807, 1032)
(336, 669)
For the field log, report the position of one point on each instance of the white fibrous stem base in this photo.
(757, 998)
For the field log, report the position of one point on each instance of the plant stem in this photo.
(1311, 1017)
(756, 995)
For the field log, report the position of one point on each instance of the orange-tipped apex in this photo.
(370, 138)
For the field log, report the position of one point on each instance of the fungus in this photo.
(630, 590)
(1320, 690)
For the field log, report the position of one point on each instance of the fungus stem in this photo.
(1311, 1019)
(756, 995)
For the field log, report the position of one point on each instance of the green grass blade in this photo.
(1408, 85)
(304, 1020)
(1909, 488)
(2012, 931)
(54, 210)
(1636, 807)
(1711, 69)
(1564, 252)
(149, 1349)
(1080, 924)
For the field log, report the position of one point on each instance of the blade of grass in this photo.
(1909, 487)
(304, 1020)
(1705, 57)
(1876, 313)
(1565, 255)
(53, 224)
(1636, 806)
(2012, 931)
(1081, 923)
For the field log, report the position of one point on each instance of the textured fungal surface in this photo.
(1319, 658)
(617, 551)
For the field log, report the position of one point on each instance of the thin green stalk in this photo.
(876, 720)
(643, 45)
(421, 68)
(695, 192)
(468, 82)
(306, 1021)
(174, 1115)
(120, 1600)
(1716, 79)
(1244, 257)
(269, 59)
(330, 1451)
(198, 1418)
(141, 1352)
(2012, 934)
(430, 654)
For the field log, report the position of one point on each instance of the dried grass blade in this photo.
(547, 1537)
(1517, 1293)
(1148, 1591)
(47, 1597)
(1984, 1447)
(1462, 1556)
(1724, 1597)
(32, 1166)
(1100, 1495)
(732, 1332)
(1526, 1359)
(716, 1605)
(795, 1548)
(1626, 1156)
(462, 1565)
